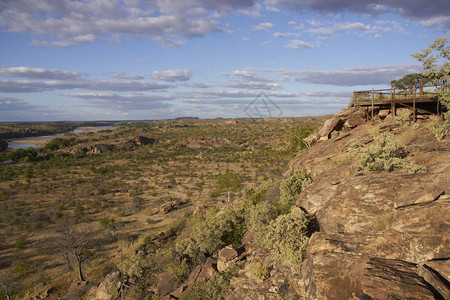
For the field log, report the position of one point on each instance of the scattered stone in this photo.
(167, 207)
(108, 289)
(225, 255)
(208, 270)
(163, 286)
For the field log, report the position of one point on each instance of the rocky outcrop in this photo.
(383, 235)
(346, 119)
(141, 141)
(108, 289)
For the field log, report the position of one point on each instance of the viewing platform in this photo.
(420, 100)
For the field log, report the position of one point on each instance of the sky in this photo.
(63, 60)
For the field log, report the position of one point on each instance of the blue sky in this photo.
(158, 59)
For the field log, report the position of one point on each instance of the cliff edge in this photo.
(383, 233)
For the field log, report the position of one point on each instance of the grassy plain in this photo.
(110, 177)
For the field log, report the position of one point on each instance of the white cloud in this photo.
(285, 34)
(433, 13)
(299, 44)
(123, 75)
(263, 26)
(39, 73)
(8, 104)
(364, 75)
(28, 86)
(66, 23)
(172, 75)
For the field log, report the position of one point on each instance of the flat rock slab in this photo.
(394, 279)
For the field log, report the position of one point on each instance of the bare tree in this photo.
(6, 289)
(76, 243)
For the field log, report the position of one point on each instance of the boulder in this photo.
(329, 126)
(225, 255)
(164, 285)
(383, 113)
(107, 289)
(209, 268)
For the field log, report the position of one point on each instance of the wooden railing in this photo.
(389, 97)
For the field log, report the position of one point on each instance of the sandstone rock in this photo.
(329, 126)
(164, 286)
(194, 275)
(353, 122)
(209, 268)
(435, 279)
(383, 113)
(228, 253)
(107, 289)
(77, 290)
(312, 139)
(177, 294)
(393, 279)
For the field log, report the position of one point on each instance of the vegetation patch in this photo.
(385, 154)
(291, 188)
(289, 235)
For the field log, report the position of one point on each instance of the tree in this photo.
(7, 290)
(227, 182)
(436, 66)
(72, 242)
(408, 83)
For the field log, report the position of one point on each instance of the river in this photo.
(37, 141)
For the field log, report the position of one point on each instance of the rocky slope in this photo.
(383, 235)
(374, 234)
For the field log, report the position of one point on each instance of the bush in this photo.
(403, 118)
(260, 270)
(288, 234)
(214, 233)
(128, 262)
(291, 188)
(385, 154)
(438, 128)
(22, 269)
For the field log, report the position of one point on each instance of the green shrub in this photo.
(22, 269)
(438, 128)
(128, 262)
(385, 154)
(403, 118)
(260, 270)
(214, 233)
(291, 188)
(287, 234)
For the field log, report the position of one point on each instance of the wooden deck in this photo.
(371, 101)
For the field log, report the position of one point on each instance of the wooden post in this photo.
(393, 109)
(414, 105)
(421, 85)
(373, 95)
